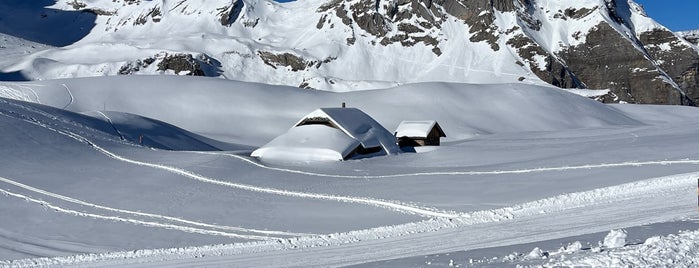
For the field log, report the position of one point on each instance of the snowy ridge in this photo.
(690, 36)
(665, 186)
(466, 118)
(337, 46)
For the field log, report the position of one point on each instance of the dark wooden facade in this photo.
(432, 138)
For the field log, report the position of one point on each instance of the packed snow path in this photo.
(141, 214)
(655, 200)
(456, 173)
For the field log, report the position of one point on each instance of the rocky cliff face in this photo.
(343, 45)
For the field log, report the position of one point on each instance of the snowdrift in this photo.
(542, 154)
(331, 134)
(116, 126)
(228, 108)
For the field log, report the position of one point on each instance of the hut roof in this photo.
(330, 134)
(357, 125)
(418, 129)
(309, 142)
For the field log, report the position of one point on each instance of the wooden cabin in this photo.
(419, 133)
(331, 134)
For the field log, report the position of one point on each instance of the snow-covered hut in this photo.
(419, 133)
(331, 134)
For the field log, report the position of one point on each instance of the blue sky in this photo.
(678, 15)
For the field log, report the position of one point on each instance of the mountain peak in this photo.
(345, 45)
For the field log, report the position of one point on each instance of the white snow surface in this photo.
(132, 33)
(351, 128)
(522, 164)
(309, 143)
(674, 250)
(615, 239)
(415, 128)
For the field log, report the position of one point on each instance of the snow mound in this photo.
(615, 239)
(157, 134)
(331, 134)
(415, 128)
(309, 143)
(116, 126)
(675, 250)
(224, 110)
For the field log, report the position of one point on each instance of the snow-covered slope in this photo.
(363, 44)
(547, 166)
(466, 110)
(691, 36)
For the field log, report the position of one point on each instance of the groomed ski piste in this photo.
(154, 171)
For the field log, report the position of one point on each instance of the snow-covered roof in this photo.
(329, 134)
(309, 143)
(357, 125)
(418, 129)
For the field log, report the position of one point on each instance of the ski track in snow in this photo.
(475, 173)
(392, 205)
(135, 221)
(109, 120)
(143, 214)
(72, 99)
(665, 187)
(661, 189)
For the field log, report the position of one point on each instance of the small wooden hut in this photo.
(419, 133)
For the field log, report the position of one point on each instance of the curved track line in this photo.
(443, 173)
(134, 221)
(156, 216)
(109, 120)
(445, 235)
(72, 99)
(408, 209)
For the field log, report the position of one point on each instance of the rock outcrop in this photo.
(345, 45)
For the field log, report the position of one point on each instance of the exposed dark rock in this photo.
(614, 63)
(181, 63)
(379, 19)
(296, 63)
(554, 72)
(77, 5)
(251, 23)
(229, 14)
(329, 5)
(134, 67)
(579, 13)
(154, 13)
(99, 12)
(680, 61)
(366, 15)
(321, 22)
(691, 37)
(484, 29)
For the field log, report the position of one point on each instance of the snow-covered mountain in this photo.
(362, 44)
(691, 36)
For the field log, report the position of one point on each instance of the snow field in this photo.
(570, 161)
(672, 186)
(674, 250)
